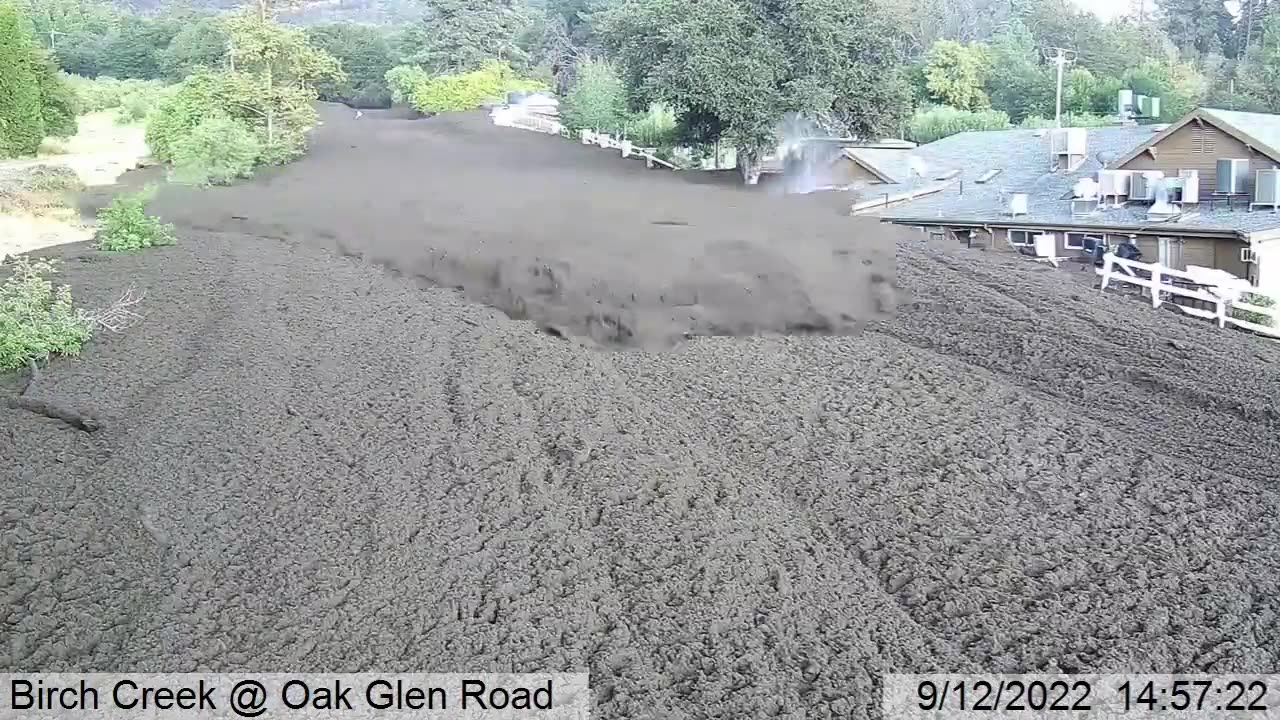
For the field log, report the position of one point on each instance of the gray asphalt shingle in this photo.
(1024, 160)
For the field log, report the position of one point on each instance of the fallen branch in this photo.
(53, 411)
(119, 316)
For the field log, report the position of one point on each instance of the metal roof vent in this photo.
(1160, 206)
(1142, 184)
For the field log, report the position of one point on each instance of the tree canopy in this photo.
(733, 68)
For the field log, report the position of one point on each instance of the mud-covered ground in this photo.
(308, 462)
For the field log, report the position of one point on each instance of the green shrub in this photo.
(1084, 120)
(125, 225)
(597, 100)
(656, 128)
(37, 319)
(942, 121)
(467, 91)
(197, 98)
(217, 151)
(1253, 317)
(137, 104)
(403, 80)
(59, 103)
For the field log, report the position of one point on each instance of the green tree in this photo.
(365, 55)
(1258, 76)
(598, 99)
(21, 112)
(203, 43)
(1177, 83)
(461, 35)
(134, 48)
(1194, 25)
(58, 103)
(955, 74)
(1078, 89)
(734, 68)
(1017, 83)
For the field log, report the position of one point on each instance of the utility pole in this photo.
(231, 54)
(53, 43)
(1062, 57)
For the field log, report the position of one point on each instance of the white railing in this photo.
(1222, 299)
(608, 142)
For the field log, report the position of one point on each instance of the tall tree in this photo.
(1018, 84)
(955, 74)
(460, 35)
(1193, 25)
(734, 68)
(365, 55)
(598, 99)
(21, 114)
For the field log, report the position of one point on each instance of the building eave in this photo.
(1221, 233)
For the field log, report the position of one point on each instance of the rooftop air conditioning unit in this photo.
(1018, 204)
(1189, 193)
(1142, 105)
(1143, 184)
(1153, 107)
(1232, 176)
(1125, 104)
(1266, 188)
(1069, 141)
(1112, 183)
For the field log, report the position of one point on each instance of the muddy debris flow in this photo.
(315, 462)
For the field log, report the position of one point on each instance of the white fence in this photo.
(1223, 299)
(608, 142)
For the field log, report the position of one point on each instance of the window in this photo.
(1076, 241)
(1247, 255)
(1023, 238)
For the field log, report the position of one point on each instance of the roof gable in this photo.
(1259, 131)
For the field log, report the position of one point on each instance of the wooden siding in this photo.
(1192, 147)
(1205, 252)
(845, 171)
(1226, 256)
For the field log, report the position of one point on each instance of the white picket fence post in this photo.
(1115, 268)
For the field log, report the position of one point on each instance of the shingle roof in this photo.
(1024, 158)
(1262, 126)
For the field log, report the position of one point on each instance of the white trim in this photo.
(1066, 239)
(1247, 255)
(1031, 236)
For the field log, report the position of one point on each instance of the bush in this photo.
(37, 319)
(137, 103)
(125, 225)
(942, 121)
(197, 98)
(217, 151)
(597, 100)
(467, 91)
(1253, 317)
(656, 128)
(403, 80)
(1084, 120)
